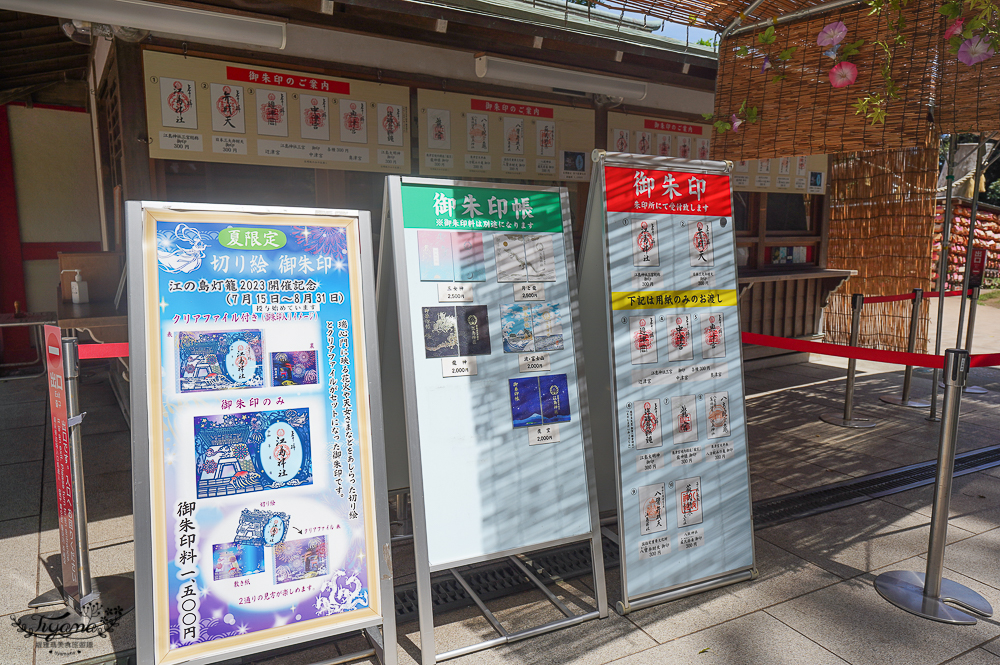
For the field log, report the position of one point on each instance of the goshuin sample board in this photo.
(482, 277)
(660, 231)
(215, 111)
(256, 403)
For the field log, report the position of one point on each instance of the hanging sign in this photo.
(266, 506)
(661, 231)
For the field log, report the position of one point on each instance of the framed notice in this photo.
(659, 242)
(657, 136)
(261, 512)
(482, 277)
(211, 110)
(485, 137)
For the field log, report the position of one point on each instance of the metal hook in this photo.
(184, 49)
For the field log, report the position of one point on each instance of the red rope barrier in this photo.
(94, 351)
(876, 299)
(844, 351)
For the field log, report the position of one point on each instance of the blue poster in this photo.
(259, 426)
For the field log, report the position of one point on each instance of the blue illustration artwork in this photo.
(220, 360)
(300, 559)
(525, 402)
(182, 249)
(261, 528)
(293, 368)
(231, 560)
(250, 452)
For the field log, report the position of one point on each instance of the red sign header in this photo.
(511, 107)
(298, 81)
(676, 127)
(667, 192)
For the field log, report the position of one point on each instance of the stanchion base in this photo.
(51, 597)
(898, 401)
(970, 390)
(117, 598)
(905, 590)
(855, 423)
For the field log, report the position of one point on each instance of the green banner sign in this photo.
(252, 238)
(481, 208)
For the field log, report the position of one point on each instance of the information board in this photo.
(494, 399)
(216, 111)
(487, 137)
(643, 135)
(661, 232)
(256, 402)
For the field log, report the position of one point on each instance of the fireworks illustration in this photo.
(321, 240)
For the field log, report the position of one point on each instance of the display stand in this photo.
(478, 282)
(260, 498)
(659, 300)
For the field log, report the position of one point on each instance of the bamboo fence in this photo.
(803, 114)
(882, 225)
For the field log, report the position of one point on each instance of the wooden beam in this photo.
(136, 180)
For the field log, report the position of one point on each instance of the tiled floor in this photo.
(813, 601)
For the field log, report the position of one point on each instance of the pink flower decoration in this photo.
(975, 50)
(832, 34)
(736, 122)
(954, 29)
(843, 74)
(767, 64)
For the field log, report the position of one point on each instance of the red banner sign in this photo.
(675, 127)
(977, 265)
(512, 108)
(667, 192)
(280, 80)
(60, 448)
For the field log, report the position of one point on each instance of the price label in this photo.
(460, 366)
(533, 362)
(455, 293)
(544, 434)
(528, 292)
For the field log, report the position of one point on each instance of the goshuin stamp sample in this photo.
(646, 416)
(713, 336)
(643, 337)
(689, 504)
(717, 406)
(685, 419)
(652, 509)
(680, 346)
(645, 249)
(700, 244)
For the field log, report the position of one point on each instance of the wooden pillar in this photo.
(136, 167)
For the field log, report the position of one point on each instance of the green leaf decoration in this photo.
(707, 116)
(767, 37)
(787, 53)
(752, 114)
(777, 77)
(722, 127)
(861, 106)
(743, 51)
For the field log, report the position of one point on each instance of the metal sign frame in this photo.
(393, 252)
(594, 232)
(140, 276)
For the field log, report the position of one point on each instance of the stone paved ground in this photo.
(813, 601)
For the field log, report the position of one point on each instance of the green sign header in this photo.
(481, 208)
(252, 238)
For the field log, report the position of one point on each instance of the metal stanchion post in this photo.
(943, 267)
(926, 594)
(98, 600)
(973, 390)
(911, 346)
(848, 419)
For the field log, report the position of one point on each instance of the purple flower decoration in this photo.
(832, 34)
(767, 64)
(975, 50)
(736, 122)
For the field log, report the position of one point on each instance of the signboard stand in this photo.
(659, 297)
(87, 600)
(259, 483)
(496, 424)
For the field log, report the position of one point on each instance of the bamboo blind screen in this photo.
(803, 114)
(882, 225)
(969, 96)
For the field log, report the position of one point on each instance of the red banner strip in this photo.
(93, 351)
(947, 294)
